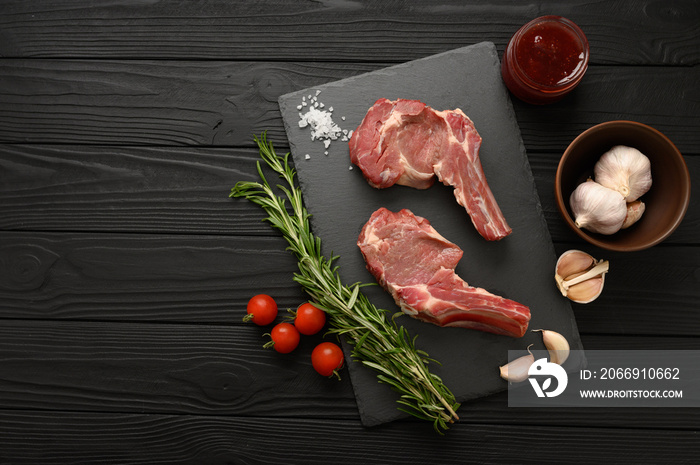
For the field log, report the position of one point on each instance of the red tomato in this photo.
(285, 338)
(309, 319)
(262, 310)
(327, 358)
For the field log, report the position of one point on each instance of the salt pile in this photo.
(320, 122)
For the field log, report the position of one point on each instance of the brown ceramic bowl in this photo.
(666, 202)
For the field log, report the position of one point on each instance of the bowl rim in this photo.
(561, 204)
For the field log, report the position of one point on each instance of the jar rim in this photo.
(571, 80)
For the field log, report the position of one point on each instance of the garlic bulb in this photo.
(634, 213)
(598, 208)
(626, 170)
(579, 276)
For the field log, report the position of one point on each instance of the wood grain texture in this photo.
(150, 277)
(649, 292)
(620, 32)
(182, 190)
(127, 189)
(155, 368)
(154, 103)
(83, 438)
(223, 370)
(125, 268)
(177, 103)
(209, 279)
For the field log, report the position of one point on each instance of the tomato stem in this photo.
(269, 344)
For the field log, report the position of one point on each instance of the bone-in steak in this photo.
(407, 142)
(415, 264)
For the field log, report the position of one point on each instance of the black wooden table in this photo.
(125, 268)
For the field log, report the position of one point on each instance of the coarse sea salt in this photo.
(320, 122)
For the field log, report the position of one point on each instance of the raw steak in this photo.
(415, 264)
(407, 142)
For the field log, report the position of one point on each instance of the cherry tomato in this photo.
(327, 358)
(309, 319)
(262, 310)
(285, 338)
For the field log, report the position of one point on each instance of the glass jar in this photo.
(545, 60)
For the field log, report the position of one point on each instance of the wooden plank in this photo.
(634, 300)
(151, 277)
(76, 437)
(607, 94)
(220, 370)
(208, 279)
(121, 327)
(150, 103)
(185, 190)
(647, 32)
(224, 103)
(178, 190)
(156, 368)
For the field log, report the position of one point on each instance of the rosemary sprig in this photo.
(376, 339)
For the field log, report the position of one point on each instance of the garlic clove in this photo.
(516, 371)
(579, 276)
(573, 261)
(587, 291)
(626, 170)
(634, 213)
(556, 344)
(598, 208)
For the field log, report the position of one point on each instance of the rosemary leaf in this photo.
(375, 338)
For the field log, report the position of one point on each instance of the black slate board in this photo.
(519, 267)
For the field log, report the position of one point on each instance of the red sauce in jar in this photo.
(545, 60)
